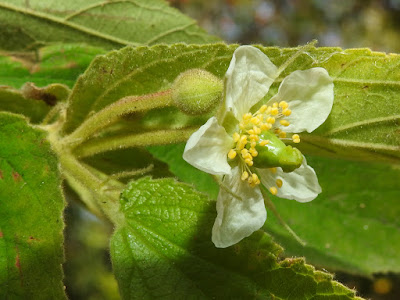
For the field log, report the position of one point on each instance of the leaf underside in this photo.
(26, 25)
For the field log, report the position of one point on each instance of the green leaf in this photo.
(53, 64)
(365, 115)
(351, 226)
(108, 24)
(166, 238)
(31, 221)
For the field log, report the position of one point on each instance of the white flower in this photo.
(252, 152)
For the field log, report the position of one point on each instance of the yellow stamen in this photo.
(296, 138)
(286, 112)
(283, 104)
(255, 179)
(245, 175)
(256, 130)
(273, 190)
(255, 120)
(253, 144)
(275, 105)
(236, 137)
(284, 122)
(248, 156)
(263, 143)
(274, 111)
(232, 154)
(273, 170)
(282, 134)
(279, 183)
(263, 108)
(249, 162)
(265, 126)
(253, 152)
(271, 120)
(254, 137)
(247, 116)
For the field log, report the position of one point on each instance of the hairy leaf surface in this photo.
(166, 238)
(31, 206)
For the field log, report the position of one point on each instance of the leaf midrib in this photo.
(71, 25)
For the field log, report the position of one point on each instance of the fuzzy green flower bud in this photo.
(276, 154)
(196, 91)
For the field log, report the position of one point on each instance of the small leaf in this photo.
(107, 24)
(31, 221)
(351, 226)
(163, 249)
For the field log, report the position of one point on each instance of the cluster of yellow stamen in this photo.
(246, 139)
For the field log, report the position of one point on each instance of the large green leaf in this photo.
(352, 226)
(31, 206)
(163, 249)
(364, 119)
(108, 24)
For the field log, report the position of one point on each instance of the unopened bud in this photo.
(197, 91)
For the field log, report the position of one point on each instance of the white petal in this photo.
(237, 218)
(310, 97)
(301, 184)
(208, 147)
(249, 76)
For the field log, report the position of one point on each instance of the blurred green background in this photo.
(343, 23)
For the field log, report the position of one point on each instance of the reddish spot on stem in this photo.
(1, 234)
(16, 176)
(1, 174)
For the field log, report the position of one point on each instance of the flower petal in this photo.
(249, 76)
(301, 184)
(237, 218)
(208, 147)
(310, 97)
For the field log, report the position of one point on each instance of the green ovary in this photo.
(276, 154)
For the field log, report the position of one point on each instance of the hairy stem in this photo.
(159, 137)
(113, 112)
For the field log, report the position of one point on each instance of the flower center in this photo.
(260, 131)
